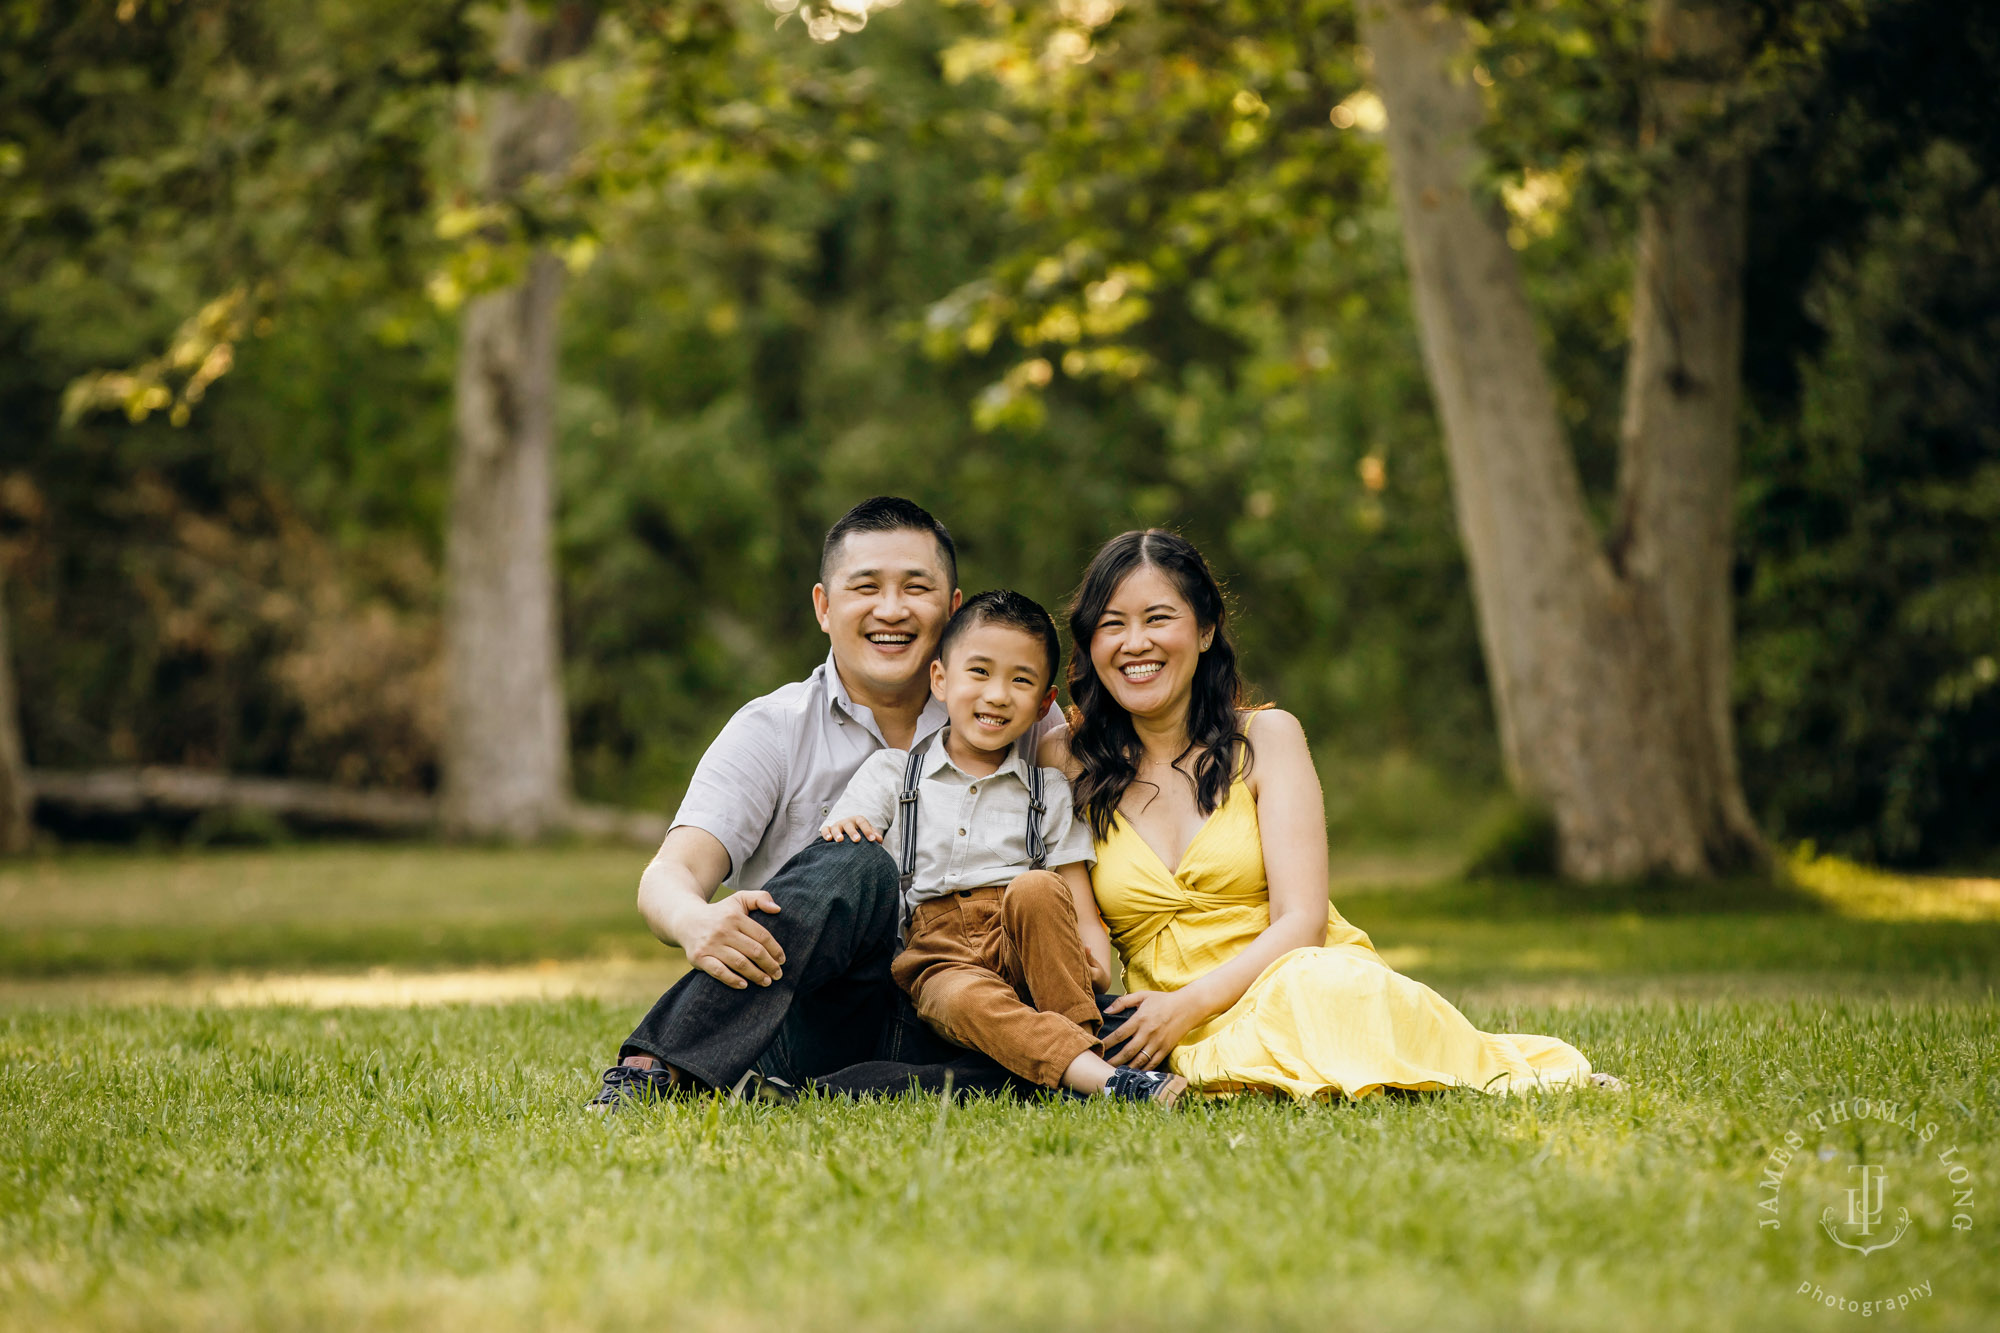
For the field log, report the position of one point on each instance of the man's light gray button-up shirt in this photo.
(769, 780)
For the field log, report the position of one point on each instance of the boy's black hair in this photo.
(889, 513)
(1004, 606)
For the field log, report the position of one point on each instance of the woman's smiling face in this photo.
(1147, 644)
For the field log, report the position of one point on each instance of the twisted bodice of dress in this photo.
(1171, 925)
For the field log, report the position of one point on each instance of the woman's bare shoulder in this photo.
(1270, 723)
(1277, 747)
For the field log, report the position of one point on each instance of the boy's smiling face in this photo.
(995, 682)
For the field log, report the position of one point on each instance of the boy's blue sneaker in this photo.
(1161, 1086)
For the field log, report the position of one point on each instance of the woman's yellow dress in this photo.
(1316, 1021)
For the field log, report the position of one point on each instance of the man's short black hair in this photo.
(889, 513)
(1004, 606)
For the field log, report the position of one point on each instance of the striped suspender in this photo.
(906, 813)
(1038, 851)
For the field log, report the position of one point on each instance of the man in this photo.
(790, 977)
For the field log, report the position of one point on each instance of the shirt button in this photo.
(973, 790)
(961, 833)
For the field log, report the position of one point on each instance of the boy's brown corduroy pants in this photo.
(1003, 971)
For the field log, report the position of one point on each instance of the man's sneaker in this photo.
(623, 1083)
(1146, 1085)
(756, 1087)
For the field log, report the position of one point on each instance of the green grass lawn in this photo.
(277, 1166)
(417, 906)
(325, 906)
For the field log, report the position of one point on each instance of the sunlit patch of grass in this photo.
(1868, 894)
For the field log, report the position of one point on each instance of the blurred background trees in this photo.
(1052, 270)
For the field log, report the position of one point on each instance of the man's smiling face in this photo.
(884, 604)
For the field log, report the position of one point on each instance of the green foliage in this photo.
(1053, 270)
(238, 592)
(1868, 682)
(173, 154)
(746, 359)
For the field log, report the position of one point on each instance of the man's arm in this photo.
(722, 939)
(734, 795)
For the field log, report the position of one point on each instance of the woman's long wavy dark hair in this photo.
(1101, 736)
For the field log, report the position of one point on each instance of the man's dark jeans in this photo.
(835, 1006)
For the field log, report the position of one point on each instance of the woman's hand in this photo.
(1159, 1020)
(852, 829)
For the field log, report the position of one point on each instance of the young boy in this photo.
(1000, 953)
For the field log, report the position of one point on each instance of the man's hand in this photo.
(851, 829)
(724, 940)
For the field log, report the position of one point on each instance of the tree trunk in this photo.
(1609, 663)
(506, 745)
(15, 830)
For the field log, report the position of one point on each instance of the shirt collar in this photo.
(837, 696)
(936, 760)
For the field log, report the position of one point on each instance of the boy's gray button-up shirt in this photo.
(972, 832)
(770, 778)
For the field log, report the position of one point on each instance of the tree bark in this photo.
(506, 744)
(1609, 662)
(15, 829)
(1678, 441)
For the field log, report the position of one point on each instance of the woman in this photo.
(1211, 870)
